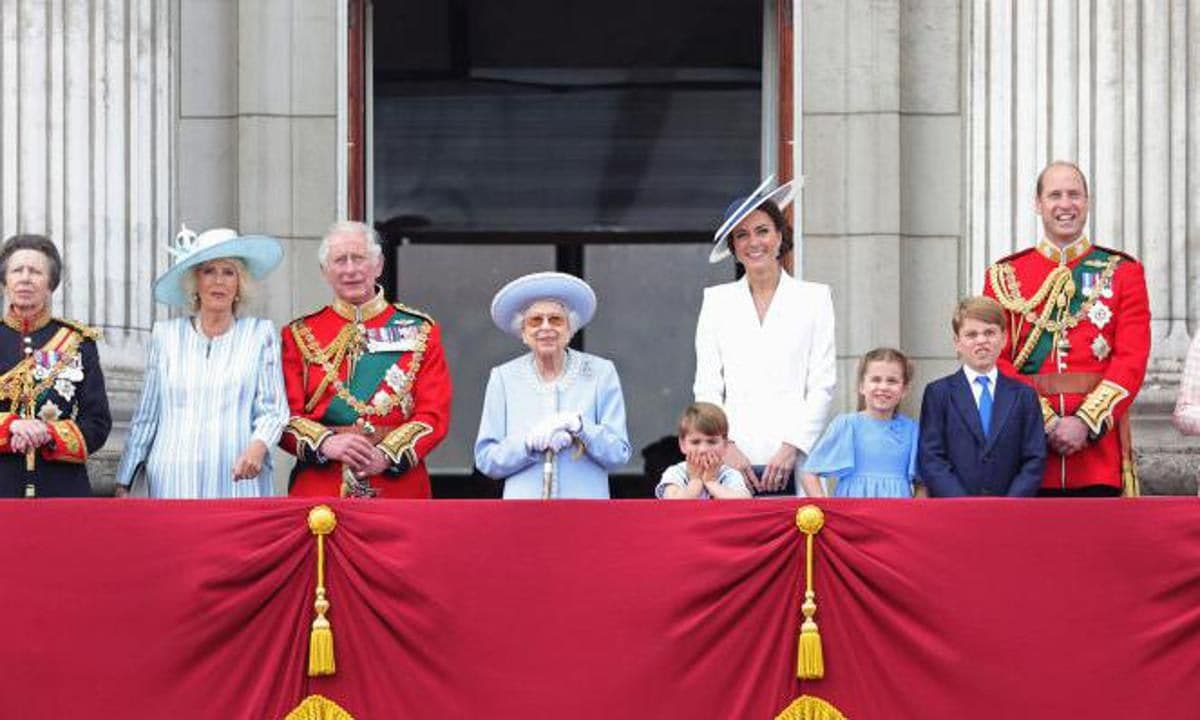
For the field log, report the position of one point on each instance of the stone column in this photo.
(85, 158)
(1114, 89)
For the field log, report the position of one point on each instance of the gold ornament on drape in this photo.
(318, 707)
(810, 659)
(321, 521)
(807, 707)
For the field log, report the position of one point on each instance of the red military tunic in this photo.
(1079, 333)
(379, 370)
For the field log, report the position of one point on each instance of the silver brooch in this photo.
(50, 412)
(1099, 314)
(396, 378)
(64, 387)
(1100, 347)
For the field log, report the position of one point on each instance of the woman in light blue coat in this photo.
(553, 423)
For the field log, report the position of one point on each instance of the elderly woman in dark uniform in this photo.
(53, 408)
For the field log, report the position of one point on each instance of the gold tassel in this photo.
(1130, 485)
(807, 707)
(321, 521)
(810, 658)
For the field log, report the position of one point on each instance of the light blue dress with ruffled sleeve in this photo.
(869, 457)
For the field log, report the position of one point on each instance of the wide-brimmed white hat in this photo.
(519, 294)
(260, 253)
(737, 211)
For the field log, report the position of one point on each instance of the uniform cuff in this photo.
(400, 444)
(309, 434)
(1097, 408)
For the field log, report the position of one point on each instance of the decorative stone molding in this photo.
(1114, 86)
(86, 146)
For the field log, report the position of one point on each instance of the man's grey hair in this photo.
(518, 320)
(374, 246)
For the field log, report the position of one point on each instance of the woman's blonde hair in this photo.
(247, 285)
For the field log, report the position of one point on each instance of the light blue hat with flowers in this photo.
(260, 253)
(519, 294)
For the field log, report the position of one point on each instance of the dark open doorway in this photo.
(601, 139)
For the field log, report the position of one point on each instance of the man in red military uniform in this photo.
(366, 380)
(1079, 333)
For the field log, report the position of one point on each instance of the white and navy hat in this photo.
(737, 211)
(519, 294)
(260, 253)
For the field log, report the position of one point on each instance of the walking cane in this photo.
(548, 475)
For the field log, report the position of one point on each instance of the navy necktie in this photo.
(985, 403)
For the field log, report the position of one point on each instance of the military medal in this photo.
(1088, 284)
(1100, 348)
(1099, 314)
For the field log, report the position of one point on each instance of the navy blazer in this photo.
(955, 459)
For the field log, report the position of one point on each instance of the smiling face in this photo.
(756, 241)
(979, 344)
(27, 282)
(1062, 204)
(882, 387)
(217, 285)
(546, 328)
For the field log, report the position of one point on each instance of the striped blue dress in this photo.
(203, 402)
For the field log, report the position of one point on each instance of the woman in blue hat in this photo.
(213, 404)
(765, 345)
(553, 422)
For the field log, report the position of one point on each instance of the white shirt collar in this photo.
(971, 375)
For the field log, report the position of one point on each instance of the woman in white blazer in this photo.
(765, 345)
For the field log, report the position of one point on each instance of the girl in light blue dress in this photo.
(873, 452)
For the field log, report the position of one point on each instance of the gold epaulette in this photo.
(1014, 256)
(413, 311)
(1113, 251)
(87, 331)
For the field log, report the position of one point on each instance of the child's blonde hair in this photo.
(883, 354)
(704, 418)
(978, 307)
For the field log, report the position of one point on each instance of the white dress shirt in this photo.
(976, 390)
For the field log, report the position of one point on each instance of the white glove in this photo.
(570, 421)
(536, 440)
(560, 440)
(541, 436)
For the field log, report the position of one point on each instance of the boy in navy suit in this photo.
(981, 432)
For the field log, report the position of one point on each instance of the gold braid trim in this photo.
(349, 336)
(1097, 407)
(16, 384)
(87, 331)
(308, 433)
(72, 439)
(1054, 296)
(413, 311)
(330, 356)
(1048, 414)
(401, 442)
(318, 707)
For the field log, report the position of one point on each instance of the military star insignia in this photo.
(1100, 314)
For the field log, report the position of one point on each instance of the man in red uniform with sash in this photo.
(367, 382)
(1079, 333)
